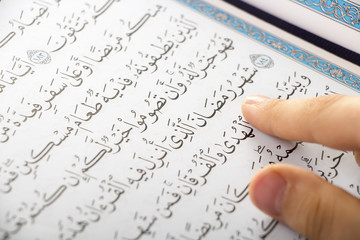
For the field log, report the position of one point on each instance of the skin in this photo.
(294, 196)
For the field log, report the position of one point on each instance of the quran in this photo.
(121, 119)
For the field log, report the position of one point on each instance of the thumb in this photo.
(306, 203)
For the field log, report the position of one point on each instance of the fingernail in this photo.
(268, 193)
(255, 99)
(357, 157)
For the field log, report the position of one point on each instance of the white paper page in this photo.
(336, 21)
(122, 120)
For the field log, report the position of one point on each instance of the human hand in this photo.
(296, 197)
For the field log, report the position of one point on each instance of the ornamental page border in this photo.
(297, 54)
(342, 11)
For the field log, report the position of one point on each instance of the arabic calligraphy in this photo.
(123, 124)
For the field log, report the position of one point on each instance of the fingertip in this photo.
(267, 191)
(251, 106)
(305, 202)
(307, 119)
(255, 99)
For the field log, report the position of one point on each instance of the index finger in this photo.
(332, 120)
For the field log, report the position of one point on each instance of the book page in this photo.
(121, 119)
(336, 21)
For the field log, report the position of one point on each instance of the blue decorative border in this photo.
(341, 11)
(299, 55)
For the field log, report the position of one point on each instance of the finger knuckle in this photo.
(276, 114)
(318, 218)
(315, 106)
(314, 110)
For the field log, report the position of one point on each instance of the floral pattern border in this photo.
(297, 54)
(341, 11)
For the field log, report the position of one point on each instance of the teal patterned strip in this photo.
(297, 54)
(341, 11)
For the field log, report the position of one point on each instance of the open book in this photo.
(120, 119)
